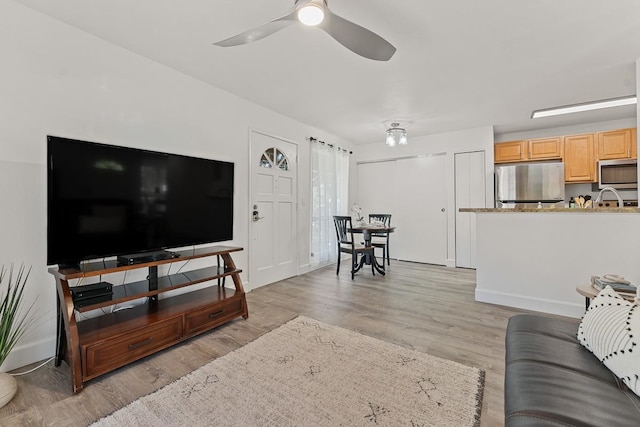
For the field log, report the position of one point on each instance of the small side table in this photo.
(589, 292)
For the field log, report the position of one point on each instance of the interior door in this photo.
(413, 191)
(273, 220)
(376, 186)
(421, 217)
(470, 193)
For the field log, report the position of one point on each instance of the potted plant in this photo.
(15, 320)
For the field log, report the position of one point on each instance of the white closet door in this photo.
(470, 193)
(376, 185)
(463, 219)
(421, 215)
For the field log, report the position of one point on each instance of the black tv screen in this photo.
(106, 200)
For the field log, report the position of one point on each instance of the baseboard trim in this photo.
(27, 354)
(304, 268)
(530, 303)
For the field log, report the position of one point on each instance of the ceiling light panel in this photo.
(587, 106)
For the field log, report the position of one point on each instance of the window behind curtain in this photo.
(330, 189)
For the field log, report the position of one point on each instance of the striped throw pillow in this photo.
(610, 329)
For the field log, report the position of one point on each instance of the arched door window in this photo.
(274, 158)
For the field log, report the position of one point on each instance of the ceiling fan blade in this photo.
(261, 31)
(356, 38)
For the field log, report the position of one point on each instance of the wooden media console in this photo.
(101, 344)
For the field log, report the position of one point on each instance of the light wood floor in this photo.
(424, 307)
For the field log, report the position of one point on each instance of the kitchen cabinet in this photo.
(580, 153)
(616, 144)
(514, 151)
(545, 149)
(579, 158)
(531, 150)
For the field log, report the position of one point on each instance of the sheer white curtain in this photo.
(330, 192)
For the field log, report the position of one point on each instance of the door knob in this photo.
(255, 214)
(442, 210)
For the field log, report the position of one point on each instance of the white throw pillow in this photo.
(610, 329)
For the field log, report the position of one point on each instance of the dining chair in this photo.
(346, 244)
(385, 219)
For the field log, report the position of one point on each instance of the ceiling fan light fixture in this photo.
(354, 37)
(396, 135)
(311, 14)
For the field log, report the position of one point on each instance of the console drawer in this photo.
(212, 316)
(116, 352)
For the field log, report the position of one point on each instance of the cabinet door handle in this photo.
(216, 314)
(140, 344)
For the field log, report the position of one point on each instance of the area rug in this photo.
(308, 373)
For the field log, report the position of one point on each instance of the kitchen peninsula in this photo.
(534, 258)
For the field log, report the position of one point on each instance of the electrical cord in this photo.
(180, 269)
(193, 252)
(17, 374)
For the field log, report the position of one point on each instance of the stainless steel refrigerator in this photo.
(530, 185)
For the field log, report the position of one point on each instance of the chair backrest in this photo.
(343, 225)
(383, 218)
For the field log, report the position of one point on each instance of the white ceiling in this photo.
(459, 64)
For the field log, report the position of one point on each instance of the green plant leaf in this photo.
(15, 318)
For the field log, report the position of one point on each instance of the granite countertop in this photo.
(553, 210)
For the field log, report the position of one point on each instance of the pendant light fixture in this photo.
(396, 135)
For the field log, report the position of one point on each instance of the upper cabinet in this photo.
(514, 151)
(580, 153)
(579, 158)
(544, 149)
(617, 144)
(535, 149)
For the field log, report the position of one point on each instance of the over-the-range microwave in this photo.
(621, 173)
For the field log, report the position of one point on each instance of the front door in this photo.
(273, 217)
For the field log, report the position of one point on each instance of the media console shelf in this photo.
(101, 344)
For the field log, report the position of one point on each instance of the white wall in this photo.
(535, 260)
(450, 143)
(57, 80)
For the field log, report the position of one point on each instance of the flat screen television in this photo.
(106, 200)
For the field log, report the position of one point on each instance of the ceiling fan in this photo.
(317, 13)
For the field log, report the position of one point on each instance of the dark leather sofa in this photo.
(552, 380)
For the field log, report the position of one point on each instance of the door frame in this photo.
(249, 209)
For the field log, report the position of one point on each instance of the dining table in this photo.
(366, 229)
